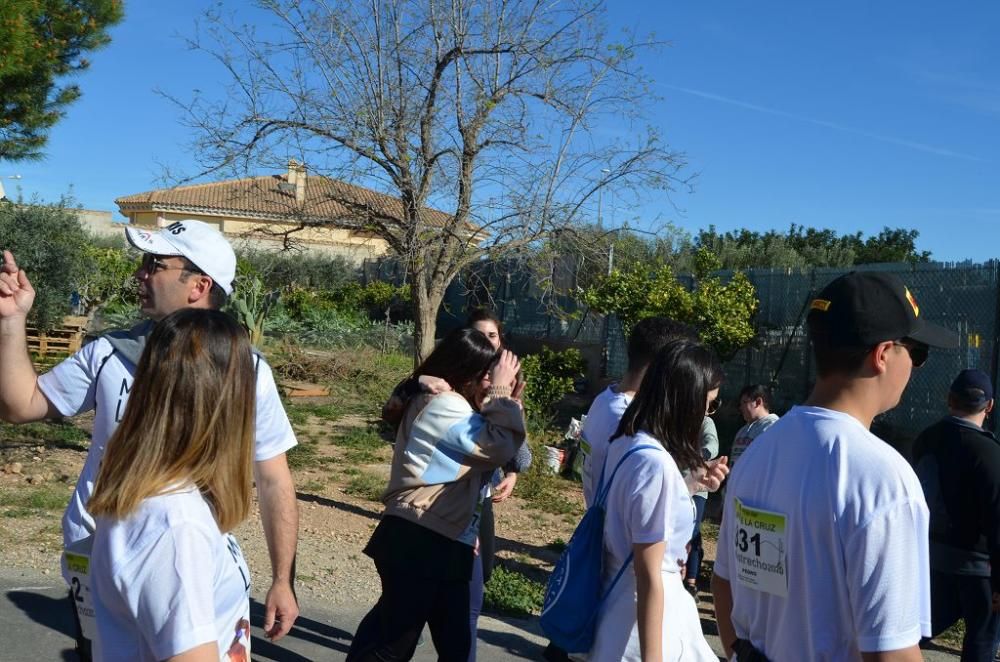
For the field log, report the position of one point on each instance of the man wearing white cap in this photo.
(186, 264)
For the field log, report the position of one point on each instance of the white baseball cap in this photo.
(199, 242)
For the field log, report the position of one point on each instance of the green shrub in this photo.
(309, 270)
(550, 375)
(108, 279)
(329, 328)
(48, 242)
(510, 593)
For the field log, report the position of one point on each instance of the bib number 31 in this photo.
(760, 540)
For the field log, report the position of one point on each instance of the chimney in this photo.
(297, 177)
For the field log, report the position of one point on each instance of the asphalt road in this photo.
(37, 626)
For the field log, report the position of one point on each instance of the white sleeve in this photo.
(170, 590)
(647, 501)
(71, 386)
(888, 577)
(273, 434)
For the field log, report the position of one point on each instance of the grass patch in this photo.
(62, 434)
(953, 636)
(313, 486)
(25, 501)
(512, 594)
(362, 446)
(366, 485)
(547, 492)
(299, 413)
(360, 378)
(301, 456)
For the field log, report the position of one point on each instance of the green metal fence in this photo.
(961, 297)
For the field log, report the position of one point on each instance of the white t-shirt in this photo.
(747, 434)
(602, 420)
(100, 379)
(855, 538)
(648, 502)
(165, 580)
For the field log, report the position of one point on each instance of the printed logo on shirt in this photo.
(239, 649)
(237, 554)
(123, 392)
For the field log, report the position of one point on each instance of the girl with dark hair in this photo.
(498, 489)
(650, 514)
(448, 445)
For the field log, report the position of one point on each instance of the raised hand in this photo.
(16, 293)
(710, 477)
(505, 370)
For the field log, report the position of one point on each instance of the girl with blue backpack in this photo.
(647, 614)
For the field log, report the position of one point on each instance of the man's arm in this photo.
(280, 516)
(722, 596)
(21, 401)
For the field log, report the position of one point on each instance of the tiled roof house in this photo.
(262, 209)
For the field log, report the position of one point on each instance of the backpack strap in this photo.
(603, 489)
(602, 495)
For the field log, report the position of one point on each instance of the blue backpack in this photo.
(573, 597)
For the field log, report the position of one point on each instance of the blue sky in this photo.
(849, 116)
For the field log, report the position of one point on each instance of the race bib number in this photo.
(760, 549)
(78, 564)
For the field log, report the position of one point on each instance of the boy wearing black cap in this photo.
(823, 544)
(958, 463)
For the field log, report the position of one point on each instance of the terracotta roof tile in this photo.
(261, 197)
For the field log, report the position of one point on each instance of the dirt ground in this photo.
(37, 477)
(334, 525)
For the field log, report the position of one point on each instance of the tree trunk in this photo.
(426, 302)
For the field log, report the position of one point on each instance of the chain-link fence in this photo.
(963, 298)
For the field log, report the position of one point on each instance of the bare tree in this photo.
(494, 123)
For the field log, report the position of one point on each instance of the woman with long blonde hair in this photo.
(168, 581)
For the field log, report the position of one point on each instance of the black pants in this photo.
(487, 539)
(969, 598)
(391, 630)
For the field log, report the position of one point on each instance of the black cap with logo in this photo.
(864, 308)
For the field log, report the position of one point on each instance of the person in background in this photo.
(648, 615)
(822, 552)
(958, 464)
(648, 336)
(448, 446)
(708, 439)
(755, 408)
(498, 489)
(168, 580)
